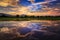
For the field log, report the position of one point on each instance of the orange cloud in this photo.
(8, 3)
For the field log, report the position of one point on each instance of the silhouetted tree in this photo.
(4, 15)
(17, 15)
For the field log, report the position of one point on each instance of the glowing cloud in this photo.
(8, 2)
(37, 9)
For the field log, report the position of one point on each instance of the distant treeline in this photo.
(26, 17)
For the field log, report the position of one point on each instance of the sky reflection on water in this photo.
(25, 28)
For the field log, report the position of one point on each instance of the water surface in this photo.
(36, 29)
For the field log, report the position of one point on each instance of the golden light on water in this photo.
(5, 29)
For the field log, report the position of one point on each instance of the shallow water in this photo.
(25, 28)
(26, 23)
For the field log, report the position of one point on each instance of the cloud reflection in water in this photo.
(14, 29)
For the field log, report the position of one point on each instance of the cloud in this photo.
(46, 8)
(6, 3)
(50, 0)
(39, 5)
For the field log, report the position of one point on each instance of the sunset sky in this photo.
(30, 7)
